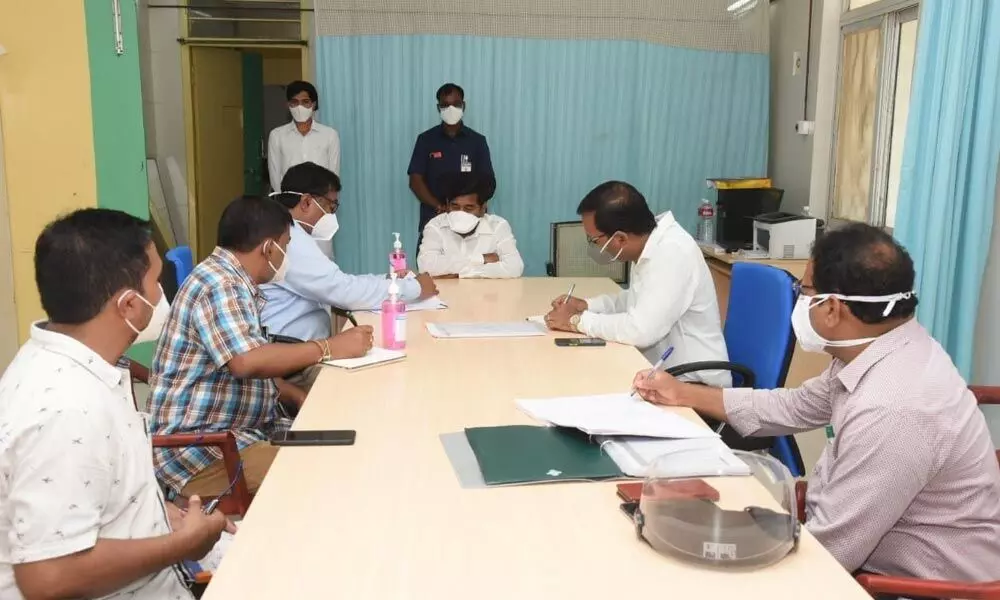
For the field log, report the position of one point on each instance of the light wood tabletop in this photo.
(387, 519)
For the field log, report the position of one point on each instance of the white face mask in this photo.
(151, 332)
(279, 272)
(599, 256)
(451, 115)
(326, 227)
(301, 114)
(811, 341)
(462, 222)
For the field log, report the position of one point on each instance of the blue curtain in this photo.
(949, 166)
(560, 117)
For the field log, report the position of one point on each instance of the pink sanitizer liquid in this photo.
(393, 319)
(397, 258)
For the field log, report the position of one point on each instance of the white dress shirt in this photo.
(909, 485)
(299, 306)
(670, 302)
(76, 463)
(286, 147)
(444, 252)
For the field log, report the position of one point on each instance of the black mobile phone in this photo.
(314, 438)
(574, 342)
(629, 509)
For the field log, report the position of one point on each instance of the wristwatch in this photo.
(575, 321)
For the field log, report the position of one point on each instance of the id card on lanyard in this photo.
(830, 435)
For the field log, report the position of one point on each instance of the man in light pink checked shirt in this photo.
(909, 485)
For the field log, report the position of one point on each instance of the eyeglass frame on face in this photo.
(307, 102)
(331, 206)
(798, 286)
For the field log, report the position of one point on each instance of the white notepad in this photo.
(375, 356)
(614, 414)
(485, 330)
(432, 303)
(698, 457)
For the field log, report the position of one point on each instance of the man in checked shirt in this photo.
(910, 485)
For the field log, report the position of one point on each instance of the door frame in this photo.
(187, 98)
(8, 306)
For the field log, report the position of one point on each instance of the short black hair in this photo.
(860, 260)
(453, 185)
(448, 88)
(297, 87)
(306, 178)
(618, 206)
(87, 256)
(249, 220)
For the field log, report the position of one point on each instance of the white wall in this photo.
(790, 154)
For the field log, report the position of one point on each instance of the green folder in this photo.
(527, 454)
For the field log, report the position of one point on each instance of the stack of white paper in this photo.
(614, 414)
(432, 303)
(485, 330)
(375, 356)
(698, 457)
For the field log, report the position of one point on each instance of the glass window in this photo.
(900, 114)
(859, 3)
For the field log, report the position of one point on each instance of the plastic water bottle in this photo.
(393, 318)
(397, 258)
(706, 222)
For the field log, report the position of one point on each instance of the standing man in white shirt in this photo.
(303, 139)
(81, 514)
(671, 300)
(467, 241)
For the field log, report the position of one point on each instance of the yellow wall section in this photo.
(48, 133)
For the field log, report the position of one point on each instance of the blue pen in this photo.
(656, 367)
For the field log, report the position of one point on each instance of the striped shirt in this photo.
(214, 317)
(910, 484)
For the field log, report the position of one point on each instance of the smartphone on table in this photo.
(586, 342)
(343, 437)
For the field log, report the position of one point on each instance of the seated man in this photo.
(298, 306)
(83, 516)
(466, 241)
(671, 299)
(214, 369)
(909, 485)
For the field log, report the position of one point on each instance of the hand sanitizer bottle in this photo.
(397, 259)
(393, 318)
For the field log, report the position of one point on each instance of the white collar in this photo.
(64, 345)
(664, 222)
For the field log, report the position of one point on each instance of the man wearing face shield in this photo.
(83, 514)
(298, 306)
(467, 241)
(908, 483)
(214, 368)
(671, 300)
(451, 147)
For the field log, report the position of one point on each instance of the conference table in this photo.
(387, 518)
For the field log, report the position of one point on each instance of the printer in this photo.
(784, 235)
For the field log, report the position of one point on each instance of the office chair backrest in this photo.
(569, 256)
(758, 327)
(183, 262)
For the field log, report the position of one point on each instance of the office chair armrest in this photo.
(716, 365)
(801, 487)
(344, 314)
(224, 441)
(138, 371)
(926, 588)
(986, 394)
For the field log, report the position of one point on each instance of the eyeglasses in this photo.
(296, 102)
(215, 502)
(798, 286)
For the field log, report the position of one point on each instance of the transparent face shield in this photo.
(747, 521)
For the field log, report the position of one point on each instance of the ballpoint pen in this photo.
(569, 294)
(656, 367)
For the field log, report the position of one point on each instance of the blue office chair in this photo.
(183, 262)
(760, 341)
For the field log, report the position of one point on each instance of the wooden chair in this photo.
(923, 588)
(237, 502)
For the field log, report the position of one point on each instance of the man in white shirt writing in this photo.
(81, 514)
(671, 299)
(466, 241)
(908, 484)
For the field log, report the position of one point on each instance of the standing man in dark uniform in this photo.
(450, 147)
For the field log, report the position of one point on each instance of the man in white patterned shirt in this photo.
(909, 483)
(466, 241)
(81, 514)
